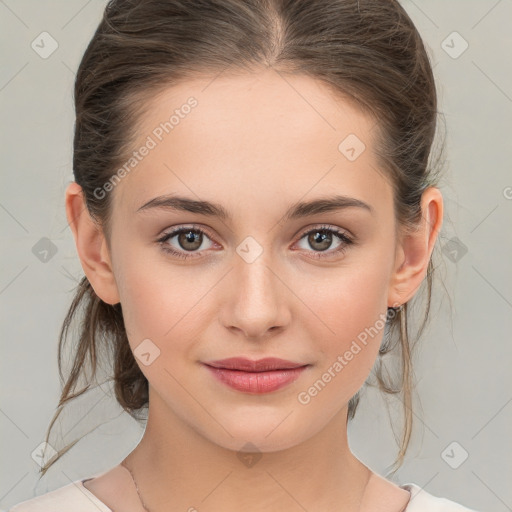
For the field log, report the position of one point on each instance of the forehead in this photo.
(266, 105)
(245, 135)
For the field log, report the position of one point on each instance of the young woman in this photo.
(254, 208)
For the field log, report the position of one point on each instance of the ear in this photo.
(415, 248)
(91, 246)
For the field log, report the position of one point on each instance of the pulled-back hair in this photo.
(366, 50)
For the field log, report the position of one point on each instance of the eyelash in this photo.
(346, 241)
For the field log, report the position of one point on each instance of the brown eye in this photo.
(187, 244)
(321, 240)
(190, 240)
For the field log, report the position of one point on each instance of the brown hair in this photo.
(367, 50)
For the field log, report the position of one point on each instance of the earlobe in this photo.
(415, 249)
(91, 246)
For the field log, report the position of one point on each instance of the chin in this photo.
(259, 432)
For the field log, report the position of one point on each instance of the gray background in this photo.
(463, 361)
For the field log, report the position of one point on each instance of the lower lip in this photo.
(256, 382)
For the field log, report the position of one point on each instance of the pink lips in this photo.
(262, 376)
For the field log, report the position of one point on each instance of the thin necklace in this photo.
(123, 463)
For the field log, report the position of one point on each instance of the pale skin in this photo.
(255, 145)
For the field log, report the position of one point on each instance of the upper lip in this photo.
(249, 365)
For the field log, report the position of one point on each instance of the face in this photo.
(311, 288)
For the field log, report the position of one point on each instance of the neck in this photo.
(178, 468)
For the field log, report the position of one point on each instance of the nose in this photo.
(256, 297)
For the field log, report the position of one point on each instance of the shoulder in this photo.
(422, 501)
(73, 496)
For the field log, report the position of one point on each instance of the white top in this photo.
(76, 497)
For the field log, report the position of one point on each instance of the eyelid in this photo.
(172, 232)
(303, 231)
(346, 240)
(327, 227)
(345, 237)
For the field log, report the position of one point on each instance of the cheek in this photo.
(160, 301)
(346, 317)
(347, 297)
(161, 319)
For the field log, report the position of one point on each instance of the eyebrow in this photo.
(296, 211)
